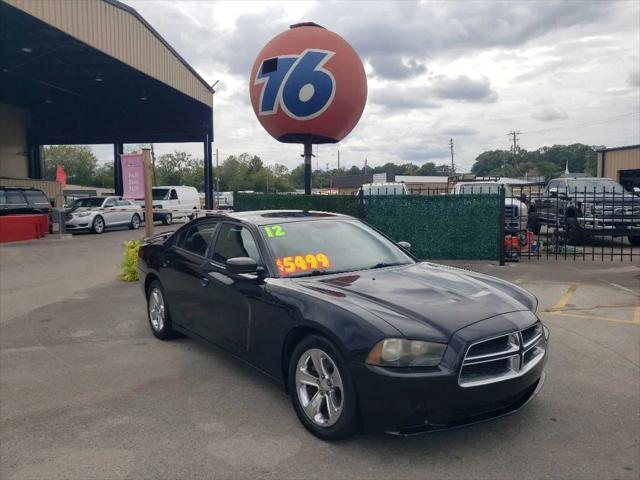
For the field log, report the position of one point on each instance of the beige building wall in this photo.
(14, 123)
(616, 160)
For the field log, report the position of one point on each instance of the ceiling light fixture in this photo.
(26, 49)
(143, 97)
(99, 78)
(48, 99)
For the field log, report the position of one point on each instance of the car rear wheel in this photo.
(98, 225)
(322, 390)
(167, 219)
(135, 222)
(158, 313)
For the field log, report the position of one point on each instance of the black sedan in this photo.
(359, 332)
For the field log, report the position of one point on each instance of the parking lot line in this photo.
(635, 321)
(564, 299)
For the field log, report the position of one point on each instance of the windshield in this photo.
(484, 188)
(88, 202)
(160, 193)
(329, 246)
(595, 184)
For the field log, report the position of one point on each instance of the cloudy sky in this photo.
(560, 72)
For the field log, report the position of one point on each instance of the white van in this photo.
(182, 201)
(390, 188)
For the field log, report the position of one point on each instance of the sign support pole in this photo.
(148, 196)
(308, 153)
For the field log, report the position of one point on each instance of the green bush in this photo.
(130, 261)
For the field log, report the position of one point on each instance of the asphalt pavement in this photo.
(86, 392)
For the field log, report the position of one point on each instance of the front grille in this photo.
(502, 358)
(510, 211)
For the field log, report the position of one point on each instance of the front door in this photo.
(230, 297)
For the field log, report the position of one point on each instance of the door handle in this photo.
(204, 281)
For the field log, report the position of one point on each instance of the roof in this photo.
(422, 179)
(352, 180)
(120, 32)
(267, 217)
(626, 147)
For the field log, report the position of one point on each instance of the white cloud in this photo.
(471, 71)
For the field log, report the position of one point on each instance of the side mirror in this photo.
(405, 246)
(242, 265)
(553, 192)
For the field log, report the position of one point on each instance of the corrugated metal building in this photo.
(621, 164)
(92, 72)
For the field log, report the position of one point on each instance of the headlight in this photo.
(83, 214)
(397, 352)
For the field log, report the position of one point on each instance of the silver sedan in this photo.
(97, 213)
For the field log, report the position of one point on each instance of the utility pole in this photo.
(453, 166)
(338, 161)
(217, 195)
(515, 148)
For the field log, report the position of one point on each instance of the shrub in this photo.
(130, 261)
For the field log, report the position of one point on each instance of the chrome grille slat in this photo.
(525, 350)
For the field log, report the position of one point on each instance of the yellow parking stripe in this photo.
(635, 321)
(565, 298)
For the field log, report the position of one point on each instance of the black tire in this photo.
(348, 422)
(135, 222)
(533, 224)
(635, 240)
(164, 331)
(575, 235)
(98, 225)
(167, 219)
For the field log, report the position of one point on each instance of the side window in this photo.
(3, 197)
(15, 198)
(36, 197)
(123, 203)
(235, 241)
(109, 203)
(197, 238)
(174, 195)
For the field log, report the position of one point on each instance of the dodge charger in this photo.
(360, 333)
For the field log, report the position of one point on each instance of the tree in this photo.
(78, 161)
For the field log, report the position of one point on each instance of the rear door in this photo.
(181, 274)
(109, 212)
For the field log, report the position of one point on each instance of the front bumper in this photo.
(74, 224)
(616, 226)
(405, 403)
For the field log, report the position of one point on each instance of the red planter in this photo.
(14, 228)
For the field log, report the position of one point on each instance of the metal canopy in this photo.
(78, 95)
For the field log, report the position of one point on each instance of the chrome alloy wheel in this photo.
(319, 387)
(156, 309)
(98, 225)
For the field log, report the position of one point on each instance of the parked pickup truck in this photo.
(587, 206)
(515, 211)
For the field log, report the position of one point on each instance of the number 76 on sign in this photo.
(299, 84)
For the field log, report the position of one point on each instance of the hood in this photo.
(424, 300)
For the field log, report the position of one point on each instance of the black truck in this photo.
(587, 206)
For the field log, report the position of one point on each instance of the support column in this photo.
(208, 174)
(308, 149)
(118, 149)
(35, 162)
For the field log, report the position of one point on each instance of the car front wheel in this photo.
(135, 222)
(322, 390)
(167, 219)
(98, 225)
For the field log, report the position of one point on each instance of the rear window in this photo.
(36, 197)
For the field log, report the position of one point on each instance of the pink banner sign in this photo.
(132, 176)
